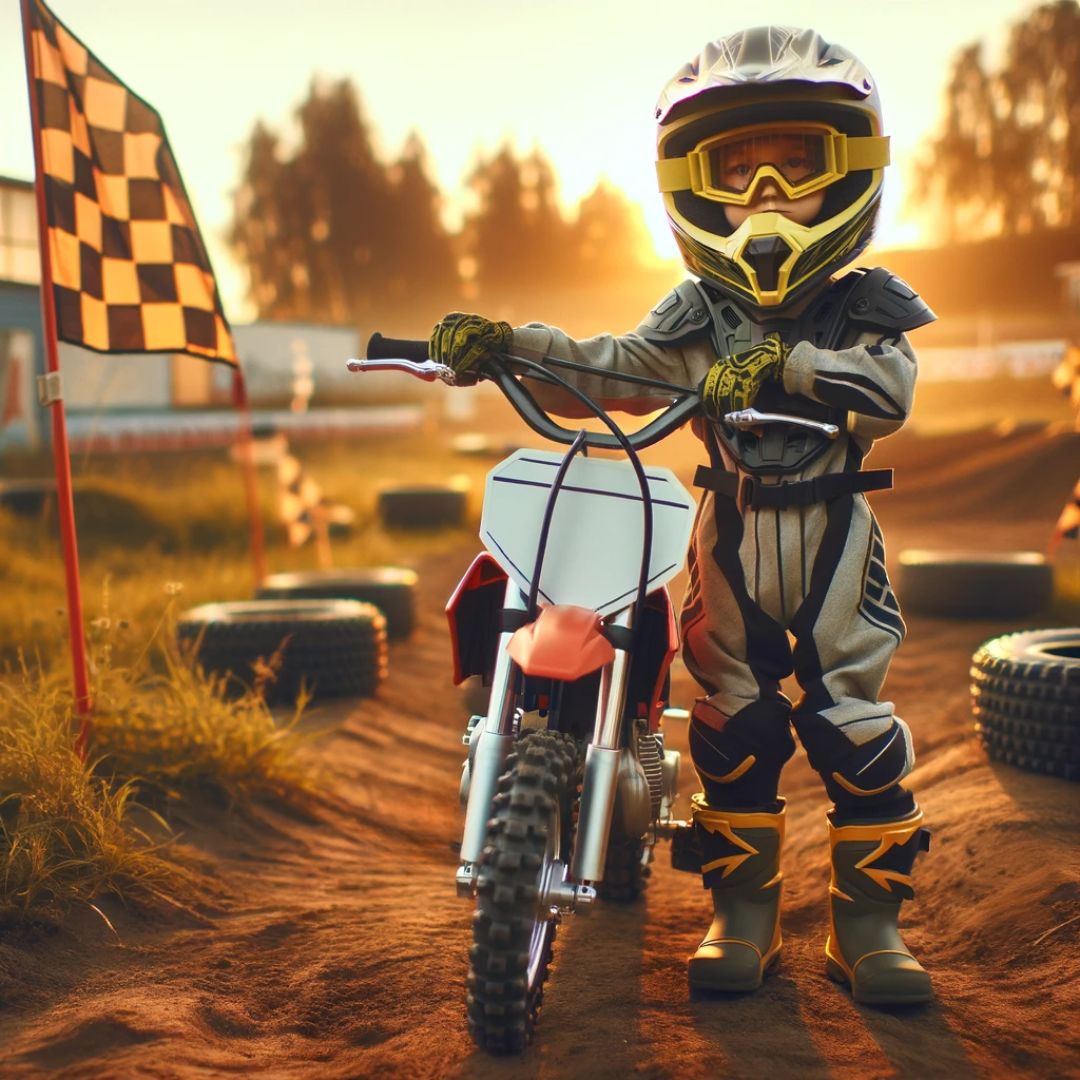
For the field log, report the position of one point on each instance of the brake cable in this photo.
(580, 441)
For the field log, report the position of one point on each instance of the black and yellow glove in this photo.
(733, 382)
(461, 341)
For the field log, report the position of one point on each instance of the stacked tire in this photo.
(973, 584)
(332, 648)
(429, 506)
(1026, 696)
(392, 589)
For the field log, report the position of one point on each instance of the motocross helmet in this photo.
(779, 109)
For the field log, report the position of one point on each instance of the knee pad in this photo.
(858, 776)
(739, 763)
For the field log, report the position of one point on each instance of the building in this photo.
(139, 388)
(21, 353)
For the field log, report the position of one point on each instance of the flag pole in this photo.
(50, 394)
(251, 480)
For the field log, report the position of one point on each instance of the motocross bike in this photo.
(566, 616)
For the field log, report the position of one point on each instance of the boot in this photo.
(871, 877)
(741, 865)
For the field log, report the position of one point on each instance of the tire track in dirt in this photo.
(337, 947)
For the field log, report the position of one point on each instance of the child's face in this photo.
(788, 153)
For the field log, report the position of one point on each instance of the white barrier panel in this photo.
(1008, 360)
(183, 430)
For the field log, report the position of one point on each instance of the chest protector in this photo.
(863, 301)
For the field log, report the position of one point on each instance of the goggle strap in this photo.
(866, 152)
(673, 174)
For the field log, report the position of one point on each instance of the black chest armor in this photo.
(860, 302)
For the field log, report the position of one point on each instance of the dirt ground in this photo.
(337, 947)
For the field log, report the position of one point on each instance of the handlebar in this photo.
(385, 348)
(397, 354)
(412, 357)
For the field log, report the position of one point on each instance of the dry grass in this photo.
(69, 835)
(174, 727)
(167, 740)
(165, 737)
(149, 520)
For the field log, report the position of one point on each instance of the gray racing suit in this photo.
(785, 545)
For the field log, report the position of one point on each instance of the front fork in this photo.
(602, 759)
(492, 748)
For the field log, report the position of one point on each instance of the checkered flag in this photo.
(300, 500)
(129, 269)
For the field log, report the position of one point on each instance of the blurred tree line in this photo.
(1006, 159)
(330, 232)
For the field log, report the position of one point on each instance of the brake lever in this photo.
(748, 418)
(428, 371)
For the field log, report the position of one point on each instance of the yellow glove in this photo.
(733, 382)
(461, 341)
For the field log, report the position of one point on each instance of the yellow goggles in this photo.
(800, 158)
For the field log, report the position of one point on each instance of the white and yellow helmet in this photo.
(772, 84)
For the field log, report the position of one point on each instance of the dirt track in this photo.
(338, 949)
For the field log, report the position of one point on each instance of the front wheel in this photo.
(528, 845)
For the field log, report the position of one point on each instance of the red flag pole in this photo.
(51, 395)
(251, 480)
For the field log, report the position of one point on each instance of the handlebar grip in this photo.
(384, 348)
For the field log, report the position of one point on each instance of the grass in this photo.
(69, 835)
(165, 736)
(150, 520)
(154, 531)
(174, 727)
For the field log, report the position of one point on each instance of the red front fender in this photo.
(565, 643)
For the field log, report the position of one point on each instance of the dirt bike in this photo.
(566, 616)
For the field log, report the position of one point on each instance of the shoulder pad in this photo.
(883, 301)
(683, 313)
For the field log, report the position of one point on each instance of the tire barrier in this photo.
(427, 507)
(336, 648)
(973, 585)
(392, 589)
(1025, 691)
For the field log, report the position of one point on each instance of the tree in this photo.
(258, 233)
(423, 260)
(518, 242)
(610, 241)
(516, 238)
(1007, 159)
(331, 233)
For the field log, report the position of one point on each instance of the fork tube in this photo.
(602, 766)
(494, 744)
(611, 700)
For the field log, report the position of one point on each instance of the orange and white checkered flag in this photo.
(129, 268)
(300, 499)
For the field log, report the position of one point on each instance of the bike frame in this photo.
(558, 642)
(492, 738)
(490, 741)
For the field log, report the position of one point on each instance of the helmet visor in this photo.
(800, 158)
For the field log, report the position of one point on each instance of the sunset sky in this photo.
(578, 79)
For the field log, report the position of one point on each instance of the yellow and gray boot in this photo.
(741, 866)
(871, 877)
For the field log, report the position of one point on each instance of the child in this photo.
(770, 161)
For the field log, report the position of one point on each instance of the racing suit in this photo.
(785, 546)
